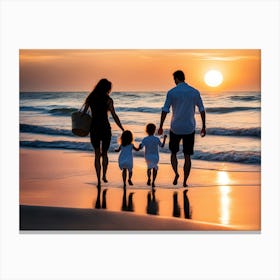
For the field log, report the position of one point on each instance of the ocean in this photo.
(233, 122)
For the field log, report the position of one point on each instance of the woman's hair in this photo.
(100, 90)
(150, 128)
(126, 138)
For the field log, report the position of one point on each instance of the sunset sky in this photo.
(137, 70)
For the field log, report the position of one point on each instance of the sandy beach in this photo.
(58, 192)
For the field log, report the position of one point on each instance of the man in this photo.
(182, 99)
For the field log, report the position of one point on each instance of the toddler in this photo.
(151, 144)
(125, 157)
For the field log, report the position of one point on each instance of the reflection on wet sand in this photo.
(152, 203)
(187, 210)
(176, 206)
(127, 203)
(98, 200)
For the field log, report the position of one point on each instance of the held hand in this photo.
(203, 132)
(160, 131)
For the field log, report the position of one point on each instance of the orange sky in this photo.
(136, 70)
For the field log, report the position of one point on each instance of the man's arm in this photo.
(203, 118)
(164, 112)
(162, 119)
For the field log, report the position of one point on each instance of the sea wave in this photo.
(242, 132)
(67, 111)
(139, 109)
(62, 111)
(246, 98)
(32, 109)
(67, 145)
(226, 156)
(225, 110)
(230, 156)
(245, 132)
(52, 95)
(28, 128)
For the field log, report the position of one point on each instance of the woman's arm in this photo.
(114, 115)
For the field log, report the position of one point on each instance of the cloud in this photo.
(222, 56)
(230, 58)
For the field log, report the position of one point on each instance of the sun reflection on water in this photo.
(224, 188)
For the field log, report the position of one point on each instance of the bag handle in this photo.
(82, 109)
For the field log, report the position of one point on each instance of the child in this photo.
(151, 144)
(126, 158)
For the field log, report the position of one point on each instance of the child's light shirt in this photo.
(126, 158)
(151, 144)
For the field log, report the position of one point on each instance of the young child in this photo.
(125, 157)
(151, 144)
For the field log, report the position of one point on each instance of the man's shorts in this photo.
(188, 142)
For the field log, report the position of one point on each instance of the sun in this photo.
(213, 78)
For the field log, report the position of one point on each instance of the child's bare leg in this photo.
(124, 177)
(149, 176)
(154, 177)
(129, 178)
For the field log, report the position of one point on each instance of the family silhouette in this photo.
(181, 99)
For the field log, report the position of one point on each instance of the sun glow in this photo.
(213, 78)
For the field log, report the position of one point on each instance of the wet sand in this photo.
(62, 186)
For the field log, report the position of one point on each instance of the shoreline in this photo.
(196, 163)
(66, 179)
(165, 159)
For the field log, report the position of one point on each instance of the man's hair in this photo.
(179, 75)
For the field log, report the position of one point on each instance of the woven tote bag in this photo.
(80, 123)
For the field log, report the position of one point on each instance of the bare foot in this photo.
(130, 183)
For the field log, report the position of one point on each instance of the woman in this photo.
(100, 104)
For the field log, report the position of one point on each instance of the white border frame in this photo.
(139, 24)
